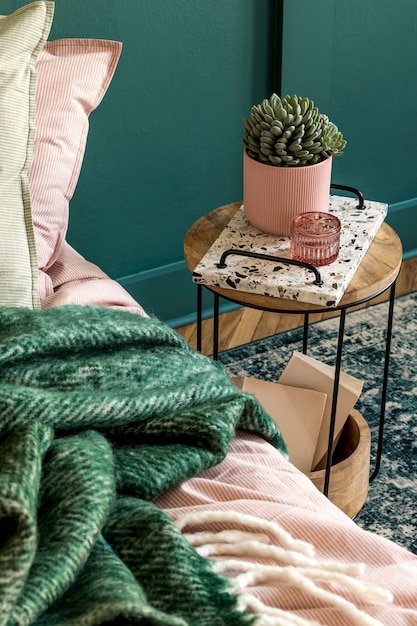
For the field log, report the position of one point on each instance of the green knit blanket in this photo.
(100, 410)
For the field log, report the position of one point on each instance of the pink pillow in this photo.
(73, 76)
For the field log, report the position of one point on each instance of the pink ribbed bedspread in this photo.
(74, 280)
(255, 479)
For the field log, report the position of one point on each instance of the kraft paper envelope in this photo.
(298, 413)
(307, 371)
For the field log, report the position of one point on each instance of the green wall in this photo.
(358, 61)
(165, 144)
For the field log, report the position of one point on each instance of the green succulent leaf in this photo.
(290, 131)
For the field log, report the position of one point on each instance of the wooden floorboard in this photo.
(245, 325)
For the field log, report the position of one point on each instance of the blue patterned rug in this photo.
(391, 507)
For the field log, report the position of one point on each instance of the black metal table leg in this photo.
(199, 315)
(305, 332)
(384, 383)
(343, 312)
(334, 400)
(216, 327)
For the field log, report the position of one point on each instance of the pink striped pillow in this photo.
(73, 76)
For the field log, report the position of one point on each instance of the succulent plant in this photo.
(290, 131)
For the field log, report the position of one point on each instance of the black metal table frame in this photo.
(343, 310)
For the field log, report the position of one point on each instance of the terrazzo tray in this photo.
(281, 280)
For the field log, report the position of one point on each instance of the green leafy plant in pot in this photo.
(289, 146)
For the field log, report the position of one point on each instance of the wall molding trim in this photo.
(169, 293)
(402, 217)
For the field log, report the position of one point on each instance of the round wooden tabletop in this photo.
(377, 271)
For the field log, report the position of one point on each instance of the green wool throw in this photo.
(101, 410)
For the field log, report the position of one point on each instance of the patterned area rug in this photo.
(391, 507)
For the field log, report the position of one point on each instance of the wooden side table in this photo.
(377, 273)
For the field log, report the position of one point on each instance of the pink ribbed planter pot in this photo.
(273, 195)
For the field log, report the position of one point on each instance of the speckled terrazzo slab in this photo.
(359, 227)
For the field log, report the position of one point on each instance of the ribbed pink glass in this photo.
(315, 238)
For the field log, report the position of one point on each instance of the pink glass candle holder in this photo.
(315, 238)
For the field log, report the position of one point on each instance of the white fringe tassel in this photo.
(250, 521)
(300, 569)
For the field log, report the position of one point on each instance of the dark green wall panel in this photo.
(358, 61)
(165, 144)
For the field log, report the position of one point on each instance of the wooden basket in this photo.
(349, 476)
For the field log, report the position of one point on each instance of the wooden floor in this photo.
(245, 325)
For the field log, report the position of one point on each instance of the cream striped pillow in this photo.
(22, 36)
